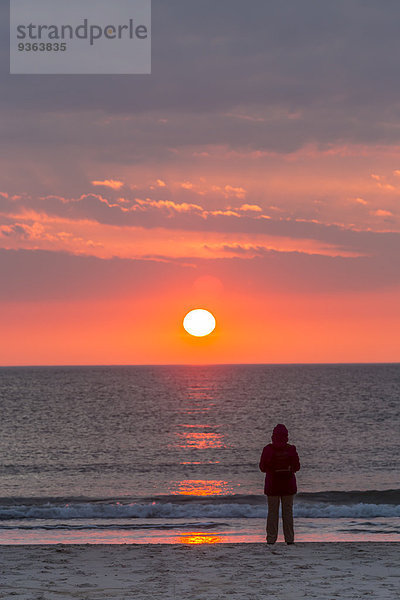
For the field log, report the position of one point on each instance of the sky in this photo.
(254, 173)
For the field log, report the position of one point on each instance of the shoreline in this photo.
(182, 531)
(321, 570)
(61, 547)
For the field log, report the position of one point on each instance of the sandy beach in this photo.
(244, 571)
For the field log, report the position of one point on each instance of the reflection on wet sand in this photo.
(197, 537)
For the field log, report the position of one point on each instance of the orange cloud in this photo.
(110, 183)
(239, 192)
(229, 191)
(381, 213)
(23, 231)
(380, 182)
(169, 204)
(251, 207)
(225, 213)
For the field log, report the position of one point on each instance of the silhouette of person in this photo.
(280, 461)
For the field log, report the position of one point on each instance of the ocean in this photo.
(135, 454)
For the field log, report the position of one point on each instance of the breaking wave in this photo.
(328, 505)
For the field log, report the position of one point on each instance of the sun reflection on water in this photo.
(201, 487)
(200, 439)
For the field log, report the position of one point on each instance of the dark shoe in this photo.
(290, 543)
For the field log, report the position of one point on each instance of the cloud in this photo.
(110, 183)
(215, 62)
(381, 213)
(150, 213)
(380, 181)
(37, 275)
(250, 207)
(223, 213)
(237, 192)
(22, 231)
(170, 206)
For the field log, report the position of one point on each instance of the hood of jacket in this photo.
(280, 436)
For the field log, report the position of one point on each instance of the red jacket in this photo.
(279, 462)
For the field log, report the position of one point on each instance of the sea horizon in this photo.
(164, 364)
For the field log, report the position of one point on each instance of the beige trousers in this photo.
(273, 517)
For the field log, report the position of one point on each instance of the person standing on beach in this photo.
(280, 461)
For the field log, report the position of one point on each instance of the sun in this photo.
(199, 322)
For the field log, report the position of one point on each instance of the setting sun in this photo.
(199, 322)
